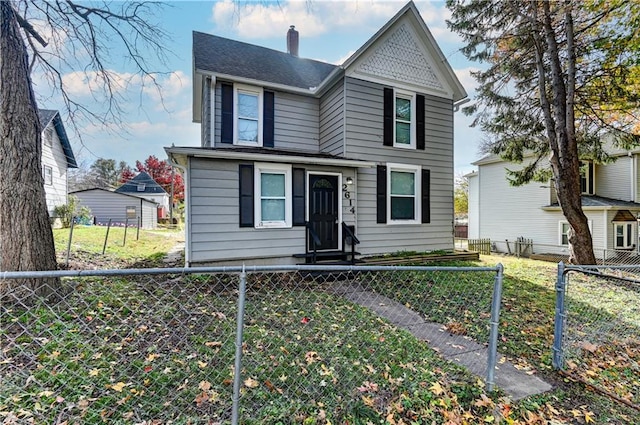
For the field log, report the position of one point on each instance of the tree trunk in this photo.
(26, 238)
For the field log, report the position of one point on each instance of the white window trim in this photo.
(288, 214)
(561, 222)
(48, 136)
(625, 235)
(590, 190)
(417, 170)
(47, 175)
(258, 91)
(412, 127)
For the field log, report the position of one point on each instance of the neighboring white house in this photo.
(503, 212)
(296, 154)
(144, 186)
(57, 158)
(119, 208)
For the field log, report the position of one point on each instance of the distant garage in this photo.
(120, 208)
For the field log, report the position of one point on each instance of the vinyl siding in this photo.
(332, 120)
(215, 232)
(205, 126)
(364, 130)
(296, 121)
(507, 212)
(53, 156)
(614, 180)
(105, 206)
(474, 208)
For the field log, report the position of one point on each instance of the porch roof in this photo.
(243, 153)
(592, 202)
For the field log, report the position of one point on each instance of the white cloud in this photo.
(266, 20)
(468, 82)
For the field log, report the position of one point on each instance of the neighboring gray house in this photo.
(144, 186)
(611, 201)
(57, 158)
(120, 208)
(296, 154)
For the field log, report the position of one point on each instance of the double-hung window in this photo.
(403, 193)
(48, 136)
(587, 178)
(404, 120)
(563, 232)
(623, 234)
(272, 195)
(47, 174)
(248, 115)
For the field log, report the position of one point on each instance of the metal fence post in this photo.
(104, 247)
(495, 322)
(559, 317)
(69, 243)
(237, 378)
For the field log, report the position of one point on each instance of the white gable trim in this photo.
(410, 18)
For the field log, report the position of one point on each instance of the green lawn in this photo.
(161, 349)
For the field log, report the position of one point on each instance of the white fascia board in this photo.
(245, 156)
(311, 91)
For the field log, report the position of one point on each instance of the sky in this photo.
(330, 31)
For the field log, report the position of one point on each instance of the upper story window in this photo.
(587, 178)
(247, 107)
(403, 193)
(48, 136)
(47, 174)
(404, 125)
(141, 187)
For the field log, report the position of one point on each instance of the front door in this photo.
(323, 210)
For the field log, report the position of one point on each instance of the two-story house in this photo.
(57, 158)
(610, 200)
(144, 186)
(300, 157)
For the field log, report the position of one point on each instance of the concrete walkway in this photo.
(174, 257)
(456, 348)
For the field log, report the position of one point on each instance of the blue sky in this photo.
(329, 31)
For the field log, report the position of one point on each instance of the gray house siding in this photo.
(106, 205)
(214, 217)
(296, 123)
(332, 120)
(613, 180)
(364, 117)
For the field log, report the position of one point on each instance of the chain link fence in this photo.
(222, 345)
(528, 248)
(597, 335)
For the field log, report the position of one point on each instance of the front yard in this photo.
(159, 349)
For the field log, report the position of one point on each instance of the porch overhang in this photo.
(599, 203)
(180, 155)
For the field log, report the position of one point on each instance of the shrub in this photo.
(72, 209)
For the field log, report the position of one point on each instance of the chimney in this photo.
(292, 41)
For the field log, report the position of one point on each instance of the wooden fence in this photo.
(483, 246)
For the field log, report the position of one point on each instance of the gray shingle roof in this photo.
(601, 201)
(150, 185)
(224, 56)
(48, 115)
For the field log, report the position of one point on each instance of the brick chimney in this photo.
(292, 41)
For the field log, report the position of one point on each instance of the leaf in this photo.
(118, 387)
(305, 320)
(151, 357)
(588, 417)
(94, 372)
(251, 383)
(436, 388)
(213, 344)
(202, 365)
(204, 385)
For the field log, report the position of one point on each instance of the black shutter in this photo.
(298, 197)
(226, 125)
(267, 121)
(246, 195)
(426, 196)
(591, 176)
(381, 195)
(420, 127)
(389, 113)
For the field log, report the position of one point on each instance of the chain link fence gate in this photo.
(312, 345)
(597, 328)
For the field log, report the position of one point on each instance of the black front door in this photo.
(323, 210)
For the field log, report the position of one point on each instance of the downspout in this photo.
(187, 210)
(633, 169)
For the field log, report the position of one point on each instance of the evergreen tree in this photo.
(560, 76)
